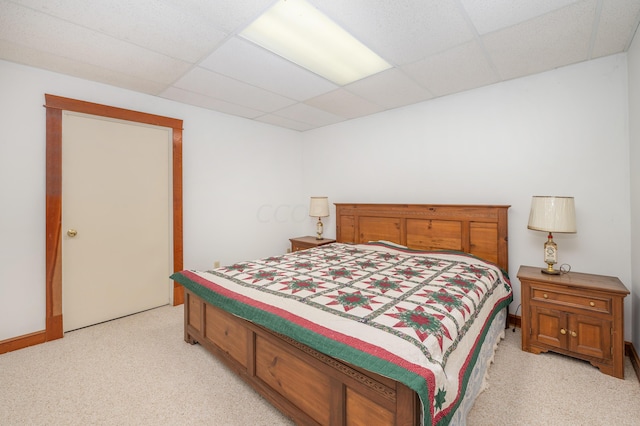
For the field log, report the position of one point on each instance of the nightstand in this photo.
(303, 243)
(575, 314)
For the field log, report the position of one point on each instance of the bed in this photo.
(350, 333)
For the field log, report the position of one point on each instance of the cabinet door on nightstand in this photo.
(592, 336)
(547, 325)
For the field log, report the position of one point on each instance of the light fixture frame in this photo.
(300, 33)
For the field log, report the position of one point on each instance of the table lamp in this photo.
(552, 214)
(319, 208)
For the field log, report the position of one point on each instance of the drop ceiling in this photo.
(189, 51)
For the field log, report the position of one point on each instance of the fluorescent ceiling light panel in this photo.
(302, 34)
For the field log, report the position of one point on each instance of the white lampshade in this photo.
(553, 214)
(319, 207)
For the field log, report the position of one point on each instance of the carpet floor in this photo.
(138, 370)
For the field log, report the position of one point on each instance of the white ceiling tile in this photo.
(390, 89)
(345, 104)
(492, 15)
(229, 15)
(550, 41)
(308, 114)
(220, 87)
(455, 70)
(36, 58)
(197, 99)
(285, 122)
(401, 32)
(39, 31)
(615, 16)
(243, 60)
(164, 27)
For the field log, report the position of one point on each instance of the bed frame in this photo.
(312, 388)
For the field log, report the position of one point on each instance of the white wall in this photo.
(240, 178)
(246, 185)
(634, 138)
(563, 132)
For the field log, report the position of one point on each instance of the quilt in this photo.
(417, 317)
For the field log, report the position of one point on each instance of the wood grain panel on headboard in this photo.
(481, 230)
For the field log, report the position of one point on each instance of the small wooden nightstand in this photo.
(303, 243)
(580, 315)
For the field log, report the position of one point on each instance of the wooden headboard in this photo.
(477, 229)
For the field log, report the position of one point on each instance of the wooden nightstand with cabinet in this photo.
(303, 243)
(575, 314)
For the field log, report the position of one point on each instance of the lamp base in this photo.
(550, 270)
(319, 228)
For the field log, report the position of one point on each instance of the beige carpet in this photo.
(138, 371)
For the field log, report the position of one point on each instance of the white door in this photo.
(116, 218)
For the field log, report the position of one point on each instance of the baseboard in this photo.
(22, 342)
(630, 351)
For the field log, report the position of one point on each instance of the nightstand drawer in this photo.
(591, 303)
(304, 243)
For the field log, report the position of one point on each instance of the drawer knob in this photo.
(563, 331)
(592, 304)
(545, 295)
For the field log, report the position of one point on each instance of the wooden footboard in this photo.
(309, 387)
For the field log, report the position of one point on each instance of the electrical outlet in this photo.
(216, 264)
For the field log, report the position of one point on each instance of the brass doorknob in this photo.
(72, 233)
(574, 334)
(563, 331)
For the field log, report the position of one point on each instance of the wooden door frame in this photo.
(55, 105)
